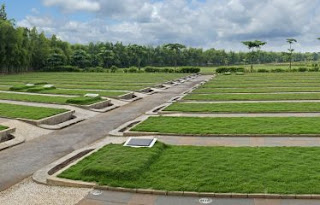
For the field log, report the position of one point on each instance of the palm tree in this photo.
(291, 41)
(176, 48)
(252, 45)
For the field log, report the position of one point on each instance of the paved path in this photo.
(121, 198)
(21, 161)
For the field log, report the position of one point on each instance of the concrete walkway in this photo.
(21, 161)
(121, 198)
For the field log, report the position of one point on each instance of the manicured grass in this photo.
(104, 81)
(46, 99)
(110, 161)
(258, 85)
(3, 127)
(84, 100)
(33, 98)
(285, 170)
(83, 92)
(27, 112)
(257, 90)
(231, 125)
(227, 96)
(244, 107)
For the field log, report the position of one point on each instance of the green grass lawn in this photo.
(229, 96)
(27, 112)
(257, 90)
(230, 125)
(258, 85)
(3, 127)
(105, 81)
(46, 99)
(83, 92)
(244, 107)
(283, 170)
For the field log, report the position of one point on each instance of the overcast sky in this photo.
(220, 24)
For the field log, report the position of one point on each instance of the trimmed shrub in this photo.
(152, 69)
(302, 69)
(62, 68)
(314, 69)
(133, 70)
(189, 70)
(113, 69)
(278, 70)
(230, 69)
(263, 70)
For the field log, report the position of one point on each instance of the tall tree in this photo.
(291, 41)
(254, 47)
(3, 13)
(175, 48)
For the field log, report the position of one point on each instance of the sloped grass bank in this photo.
(3, 127)
(27, 112)
(283, 170)
(113, 163)
(244, 107)
(230, 125)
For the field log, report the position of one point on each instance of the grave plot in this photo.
(238, 114)
(50, 118)
(248, 170)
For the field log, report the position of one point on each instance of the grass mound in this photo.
(83, 100)
(285, 170)
(115, 162)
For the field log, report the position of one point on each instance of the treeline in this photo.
(23, 49)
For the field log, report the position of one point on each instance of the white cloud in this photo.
(74, 5)
(210, 23)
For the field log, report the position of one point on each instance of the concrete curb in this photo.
(52, 120)
(135, 133)
(47, 175)
(122, 128)
(16, 139)
(158, 109)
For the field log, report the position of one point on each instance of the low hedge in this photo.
(230, 69)
(172, 70)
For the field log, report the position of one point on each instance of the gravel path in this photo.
(29, 193)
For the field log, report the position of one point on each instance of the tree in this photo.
(3, 13)
(291, 41)
(80, 58)
(252, 45)
(175, 48)
(106, 56)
